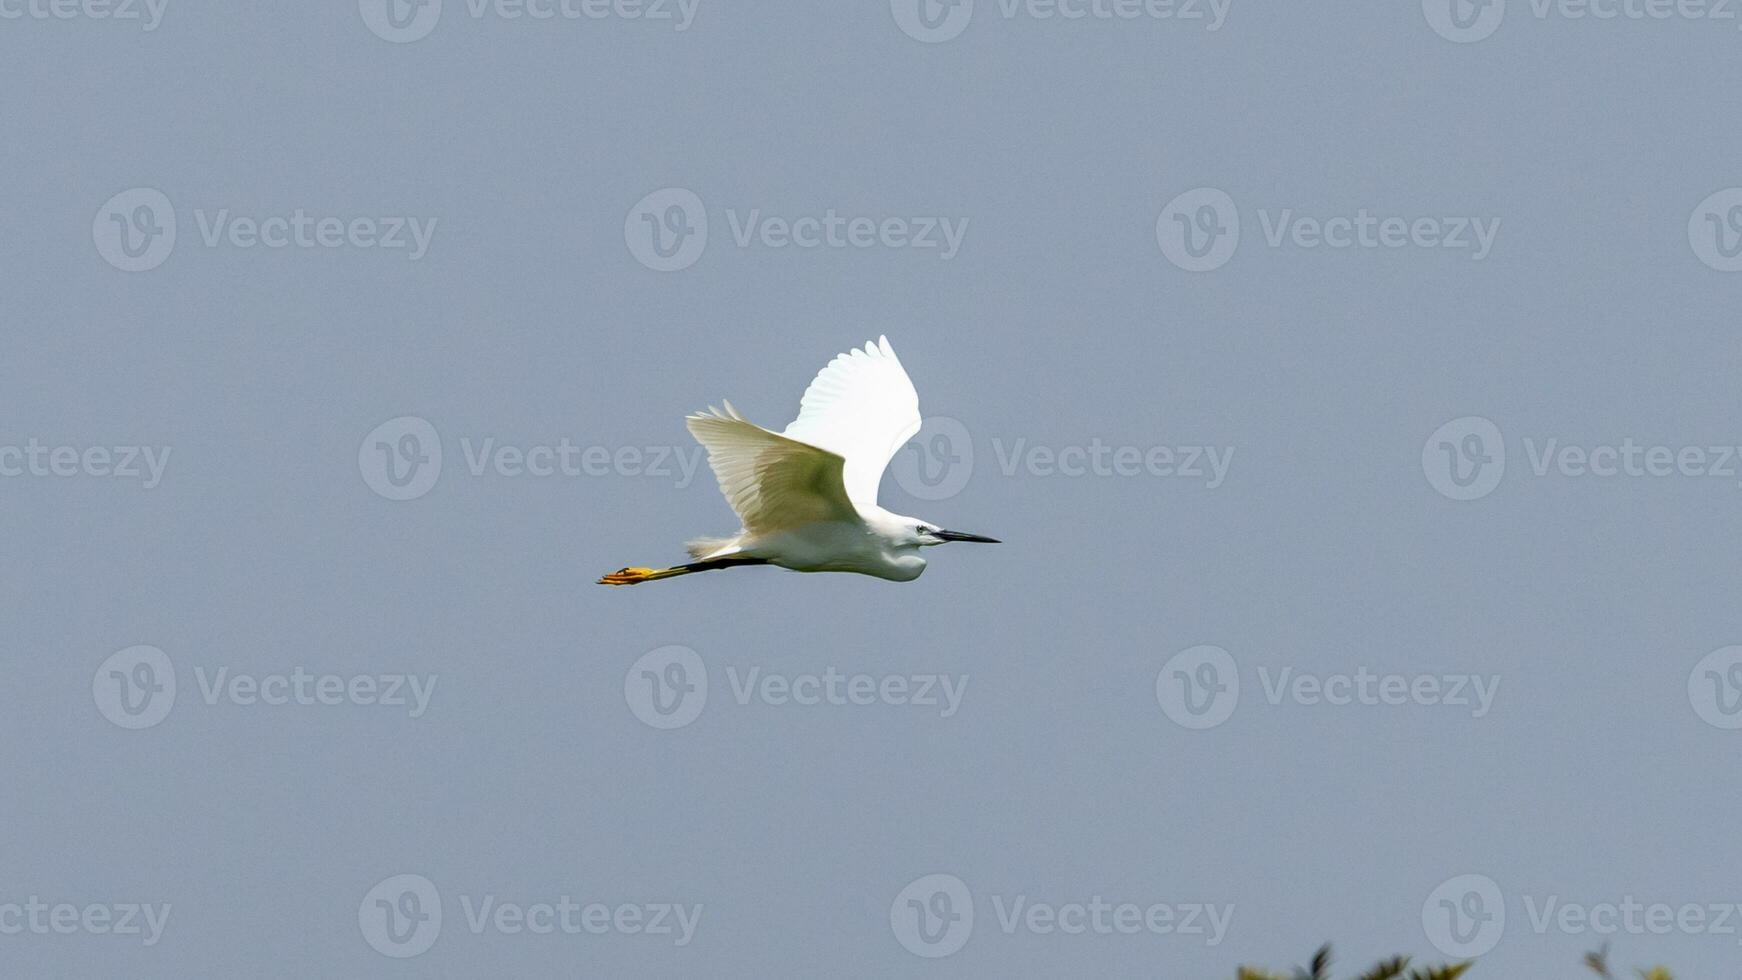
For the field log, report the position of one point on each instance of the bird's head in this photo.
(916, 533)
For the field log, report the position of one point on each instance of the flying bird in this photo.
(807, 496)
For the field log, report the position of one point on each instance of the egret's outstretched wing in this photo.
(771, 481)
(862, 407)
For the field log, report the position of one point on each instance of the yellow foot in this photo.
(630, 576)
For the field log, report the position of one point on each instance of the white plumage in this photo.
(807, 496)
(862, 407)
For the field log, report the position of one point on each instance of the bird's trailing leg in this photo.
(635, 576)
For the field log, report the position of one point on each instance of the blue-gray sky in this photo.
(1511, 240)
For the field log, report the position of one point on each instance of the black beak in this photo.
(964, 536)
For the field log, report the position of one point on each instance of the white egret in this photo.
(807, 496)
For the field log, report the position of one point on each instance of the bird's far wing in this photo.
(862, 407)
(772, 482)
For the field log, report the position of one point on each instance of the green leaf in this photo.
(1442, 972)
(1388, 969)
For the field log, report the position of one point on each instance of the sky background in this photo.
(1603, 769)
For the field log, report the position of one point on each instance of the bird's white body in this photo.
(807, 496)
(835, 546)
